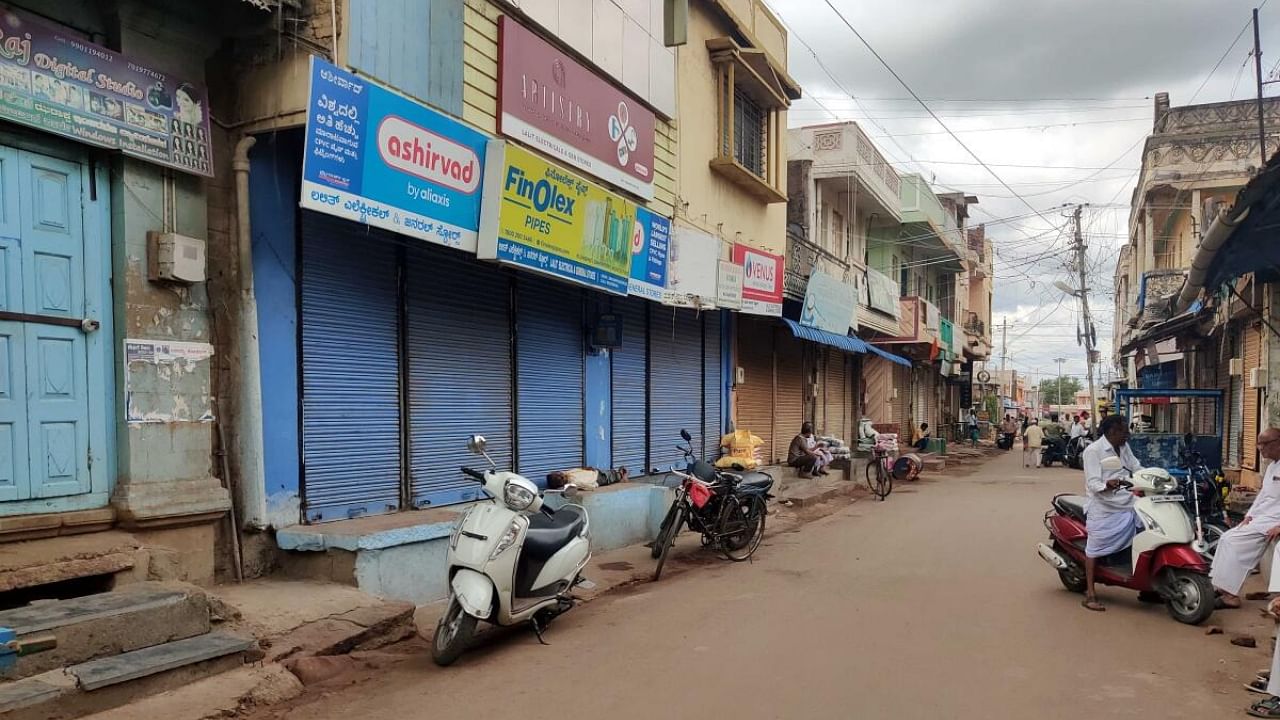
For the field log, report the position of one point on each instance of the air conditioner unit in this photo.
(1235, 367)
(1257, 378)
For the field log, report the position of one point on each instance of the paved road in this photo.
(931, 605)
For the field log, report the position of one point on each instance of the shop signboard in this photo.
(829, 304)
(378, 158)
(552, 102)
(650, 244)
(883, 294)
(53, 80)
(761, 280)
(729, 286)
(693, 266)
(540, 216)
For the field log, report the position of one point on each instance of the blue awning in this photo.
(847, 343)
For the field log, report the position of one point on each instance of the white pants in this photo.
(1030, 457)
(1238, 552)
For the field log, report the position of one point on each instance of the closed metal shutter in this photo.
(903, 381)
(1252, 359)
(549, 347)
(675, 384)
(754, 397)
(629, 383)
(788, 412)
(838, 398)
(350, 372)
(712, 384)
(458, 344)
(1223, 383)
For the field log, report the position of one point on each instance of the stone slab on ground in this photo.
(803, 493)
(48, 560)
(219, 696)
(93, 626)
(104, 672)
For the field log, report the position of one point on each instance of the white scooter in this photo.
(512, 560)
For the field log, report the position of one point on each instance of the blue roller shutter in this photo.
(549, 348)
(675, 383)
(458, 343)
(712, 425)
(350, 372)
(629, 382)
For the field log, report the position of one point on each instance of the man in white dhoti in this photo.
(1270, 708)
(1242, 546)
(1109, 515)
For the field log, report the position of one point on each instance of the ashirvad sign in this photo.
(551, 102)
(54, 81)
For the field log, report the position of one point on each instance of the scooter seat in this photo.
(545, 537)
(1070, 505)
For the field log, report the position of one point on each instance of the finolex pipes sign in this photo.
(379, 158)
(540, 216)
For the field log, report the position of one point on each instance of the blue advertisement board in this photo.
(379, 158)
(649, 245)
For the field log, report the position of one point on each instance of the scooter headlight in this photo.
(509, 537)
(517, 496)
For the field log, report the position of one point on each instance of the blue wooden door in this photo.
(44, 394)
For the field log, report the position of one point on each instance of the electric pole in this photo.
(1257, 68)
(1057, 392)
(1088, 321)
(1004, 342)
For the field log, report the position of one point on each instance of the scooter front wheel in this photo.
(1190, 597)
(453, 634)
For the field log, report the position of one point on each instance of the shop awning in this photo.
(847, 343)
(889, 356)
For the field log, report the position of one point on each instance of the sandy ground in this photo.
(933, 604)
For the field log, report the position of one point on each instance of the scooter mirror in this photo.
(476, 444)
(685, 434)
(572, 491)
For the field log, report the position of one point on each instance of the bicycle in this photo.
(710, 503)
(880, 470)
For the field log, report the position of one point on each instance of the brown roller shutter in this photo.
(837, 395)
(1252, 359)
(788, 402)
(754, 397)
(879, 376)
(904, 385)
(1222, 349)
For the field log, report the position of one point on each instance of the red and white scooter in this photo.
(1161, 560)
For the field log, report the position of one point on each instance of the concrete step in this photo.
(97, 626)
(110, 682)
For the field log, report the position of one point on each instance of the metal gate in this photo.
(458, 350)
(837, 396)
(1252, 359)
(675, 383)
(712, 384)
(549, 347)
(630, 378)
(350, 372)
(754, 397)
(788, 412)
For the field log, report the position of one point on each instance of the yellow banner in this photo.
(552, 220)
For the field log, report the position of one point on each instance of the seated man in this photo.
(1242, 546)
(1109, 516)
(808, 455)
(920, 439)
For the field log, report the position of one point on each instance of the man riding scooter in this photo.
(1109, 514)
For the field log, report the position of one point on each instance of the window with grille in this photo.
(749, 122)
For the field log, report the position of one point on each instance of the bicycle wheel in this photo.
(741, 527)
(667, 538)
(870, 470)
(663, 530)
(883, 480)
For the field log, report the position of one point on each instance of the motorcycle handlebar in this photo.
(473, 473)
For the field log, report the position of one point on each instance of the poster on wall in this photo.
(830, 304)
(761, 280)
(542, 217)
(650, 243)
(53, 80)
(376, 157)
(552, 102)
(729, 285)
(695, 256)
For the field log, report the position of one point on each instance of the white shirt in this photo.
(1077, 429)
(1106, 501)
(1266, 506)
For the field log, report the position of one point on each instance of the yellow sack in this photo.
(742, 446)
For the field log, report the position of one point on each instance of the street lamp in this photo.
(1064, 287)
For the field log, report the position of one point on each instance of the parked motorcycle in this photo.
(1005, 441)
(1054, 450)
(1075, 451)
(510, 561)
(1160, 560)
(1205, 498)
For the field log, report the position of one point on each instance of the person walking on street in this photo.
(1032, 439)
(973, 427)
(1242, 546)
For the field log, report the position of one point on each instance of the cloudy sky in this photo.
(1055, 96)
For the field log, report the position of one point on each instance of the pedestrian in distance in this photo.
(921, 436)
(1242, 546)
(1032, 440)
(808, 455)
(1109, 516)
(973, 427)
